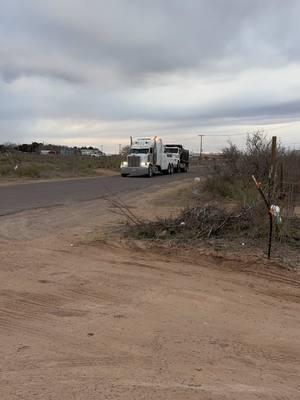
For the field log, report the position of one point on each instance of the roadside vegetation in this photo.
(226, 207)
(231, 178)
(17, 164)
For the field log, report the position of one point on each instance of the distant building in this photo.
(46, 152)
(91, 152)
(66, 151)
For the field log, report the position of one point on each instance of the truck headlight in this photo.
(124, 164)
(144, 164)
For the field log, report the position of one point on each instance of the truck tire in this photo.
(150, 171)
(169, 169)
(184, 169)
(124, 175)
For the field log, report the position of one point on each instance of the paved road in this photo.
(15, 198)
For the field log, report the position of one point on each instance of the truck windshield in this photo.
(171, 150)
(139, 151)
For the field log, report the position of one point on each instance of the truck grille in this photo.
(133, 161)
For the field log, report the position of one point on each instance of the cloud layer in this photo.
(76, 72)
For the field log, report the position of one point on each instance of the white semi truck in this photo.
(148, 156)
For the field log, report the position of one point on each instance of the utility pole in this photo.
(120, 148)
(201, 148)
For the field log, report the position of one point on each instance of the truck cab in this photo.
(179, 155)
(174, 155)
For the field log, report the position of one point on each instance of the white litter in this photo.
(275, 210)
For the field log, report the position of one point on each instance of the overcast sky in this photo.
(94, 72)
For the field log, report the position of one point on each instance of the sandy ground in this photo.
(84, 315)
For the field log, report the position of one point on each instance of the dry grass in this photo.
(22, 165)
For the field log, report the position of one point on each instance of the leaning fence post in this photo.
(258, 186)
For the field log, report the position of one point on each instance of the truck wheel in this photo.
(124, 175)
(150, 171)
(184, 169)
(169, 169)
(177, 168)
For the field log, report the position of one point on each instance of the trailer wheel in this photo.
(184, 169)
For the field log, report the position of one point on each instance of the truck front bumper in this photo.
(134, 171)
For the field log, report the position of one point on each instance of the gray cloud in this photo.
(142, 37)
(96, 60)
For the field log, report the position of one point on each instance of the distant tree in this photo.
(232, 156)
(125, 151)
(35, 147)
(25, 148)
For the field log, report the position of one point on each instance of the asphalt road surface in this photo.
(19, 197)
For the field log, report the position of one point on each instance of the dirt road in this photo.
(94, 319)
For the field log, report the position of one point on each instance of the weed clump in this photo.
(231, 178)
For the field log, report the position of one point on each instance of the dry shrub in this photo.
(201, 223)
(232, 177)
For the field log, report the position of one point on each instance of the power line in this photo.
(232, 134)
(215, 135)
